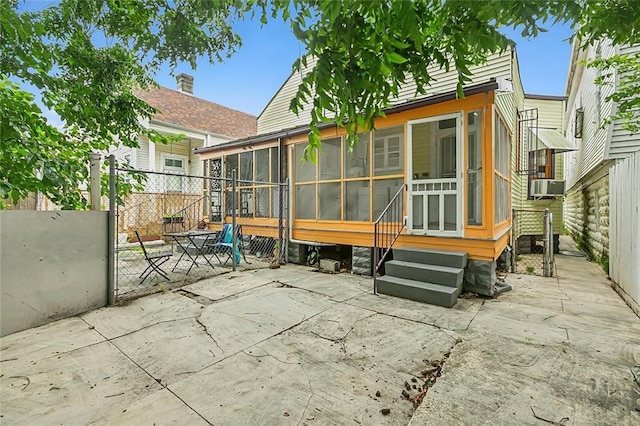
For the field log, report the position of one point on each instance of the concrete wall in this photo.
(52, 265)
(586, 213)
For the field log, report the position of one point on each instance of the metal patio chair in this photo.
(224, 245)
(155, 260)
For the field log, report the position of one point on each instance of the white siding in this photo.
(277, 116)
(183, 148)
(550, 112)
(142, 154)
(583, 93)
(623, 142)
(120, 152)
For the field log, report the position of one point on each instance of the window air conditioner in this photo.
(547, 188)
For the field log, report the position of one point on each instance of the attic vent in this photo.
(578, 123)
(185, 83)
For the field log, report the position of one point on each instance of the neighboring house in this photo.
(538, 178)
(201, 124)
(589, 208)
(455, 155)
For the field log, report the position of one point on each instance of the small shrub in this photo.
(530, 269)
(604, 262)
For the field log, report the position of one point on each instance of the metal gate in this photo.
(532, 240)
(179, 220)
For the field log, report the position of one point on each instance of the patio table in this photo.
(199, 247)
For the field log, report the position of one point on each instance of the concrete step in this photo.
(433, 294)
(452, 259)
(436, 274)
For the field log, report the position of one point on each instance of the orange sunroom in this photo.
(454, 155)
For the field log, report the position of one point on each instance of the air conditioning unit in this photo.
(547, 188)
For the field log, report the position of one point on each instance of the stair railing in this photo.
(386, 230)
(190, 215)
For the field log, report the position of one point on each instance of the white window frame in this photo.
(166, 156)
(460, 191)
(385, 142)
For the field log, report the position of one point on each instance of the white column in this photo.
(152, 156)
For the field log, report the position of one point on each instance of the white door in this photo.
(174, 165)
(435, 176)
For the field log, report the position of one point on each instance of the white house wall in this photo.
(623, 143)
(584, 93)
(550, 112)
(142, 154)
(586, 210)
(277, 116)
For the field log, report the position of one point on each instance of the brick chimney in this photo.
(185, 83)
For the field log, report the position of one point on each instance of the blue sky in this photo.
(249, 79)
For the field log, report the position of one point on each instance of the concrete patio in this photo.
(291, 346)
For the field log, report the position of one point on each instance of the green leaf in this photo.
(395, 58)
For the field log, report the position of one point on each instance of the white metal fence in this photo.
(624, 228)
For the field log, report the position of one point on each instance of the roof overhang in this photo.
(405, 106)
(551, 139)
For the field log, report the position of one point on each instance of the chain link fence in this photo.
(532, 251)
(174, 229)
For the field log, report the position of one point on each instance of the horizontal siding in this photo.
(585, 94)
(550, 112)
(277, 116)
(446, 81)
(120, 152)
(506, 104)
(624, 143)
(142, 154)
(182, 148)
(518, 183)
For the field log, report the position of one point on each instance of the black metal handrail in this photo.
(192, 211)
(386, 230)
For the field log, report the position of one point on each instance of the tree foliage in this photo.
(87, 57)
(365, 50)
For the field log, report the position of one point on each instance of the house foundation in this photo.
(480, 277)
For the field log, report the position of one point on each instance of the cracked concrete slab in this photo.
(456, 318)
(479, 387)
(239, 323)
(117, 321)
(345, 354)
(227, 285)
(171, 350)
(525, 362)
(318, 348)
(350, 354)
(158, 408)
(246, 389)
(77, 387)
(519, 322)
(45, 341)
(338, 287)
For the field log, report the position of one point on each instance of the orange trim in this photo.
(479, 249)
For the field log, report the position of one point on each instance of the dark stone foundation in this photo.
(480, 277)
